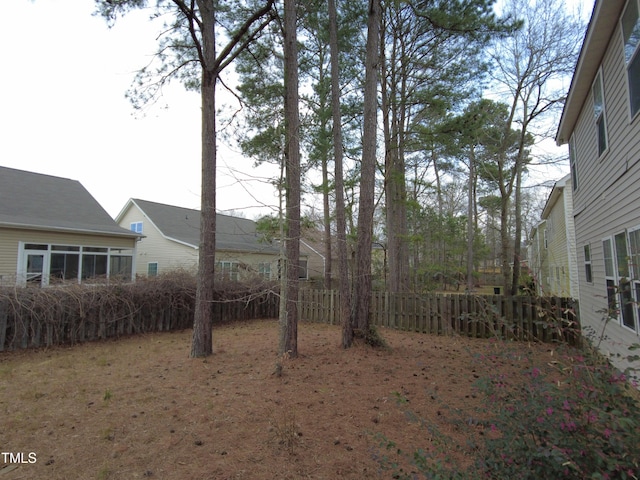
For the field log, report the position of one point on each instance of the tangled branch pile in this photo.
(69, 314)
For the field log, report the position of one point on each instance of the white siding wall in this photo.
(607, 200)
(154, 247)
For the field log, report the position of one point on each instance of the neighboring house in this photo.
(53, 230)
(538, 258)
(313, 260)
(172, 237)
(601, 124)
(552, 250)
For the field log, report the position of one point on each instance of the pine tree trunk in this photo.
(202, 341)
(341, 223)
(470, 221)
(292, 158)
(362, 277)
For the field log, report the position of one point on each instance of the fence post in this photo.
(4, 314)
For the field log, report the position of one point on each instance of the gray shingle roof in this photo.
(34, 200)
(183, 225)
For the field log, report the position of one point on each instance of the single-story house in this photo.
(172, 238)
(52, 230)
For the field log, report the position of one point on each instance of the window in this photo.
(264, 270)
(47, 264)
(620, 288)
(302, 270)
(621, 255)
(634, 261)
(634, 253)
(610, 279)
(599, 113)
(546, 241)
(631, 39)
(64, 266)
(121, 266)
(136, 227)
(94, 266)
(152, 269)
(624, 285)
(228, 270)
(587, 264)
(572, 163)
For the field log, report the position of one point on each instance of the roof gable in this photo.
(183, 225)
(34, 200)
(604, 20)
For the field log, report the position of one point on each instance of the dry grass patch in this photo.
(138, 407)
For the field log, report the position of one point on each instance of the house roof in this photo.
(182, 225)
(35, 201)
(604, 20)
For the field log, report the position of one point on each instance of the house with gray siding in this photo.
(172, 238)
(53, 231)
(600, 124)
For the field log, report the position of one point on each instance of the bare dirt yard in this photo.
(139, 407)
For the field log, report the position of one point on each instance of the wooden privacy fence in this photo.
(545, 319)
(34, 317)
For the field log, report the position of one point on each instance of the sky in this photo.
(63, 112)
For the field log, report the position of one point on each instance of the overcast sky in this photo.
(63, 111)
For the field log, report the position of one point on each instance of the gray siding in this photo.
(607, 201)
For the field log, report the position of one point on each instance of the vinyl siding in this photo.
(155, 248)
(249, 262)
(10, 238)
(538, 259)
(558, 253)
(570, 232)
(170, 254)
(607, 201)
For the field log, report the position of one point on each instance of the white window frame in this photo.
(149, 270)
(230, 268)
(588, 268)
(136, 227)
(80, 250)
(618, 260)
(631, 54)
(264, 270)
(634, 269)
(610, 276)
(600, 112)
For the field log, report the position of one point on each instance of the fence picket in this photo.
(443, 314)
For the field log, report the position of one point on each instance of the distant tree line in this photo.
(416, 122)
